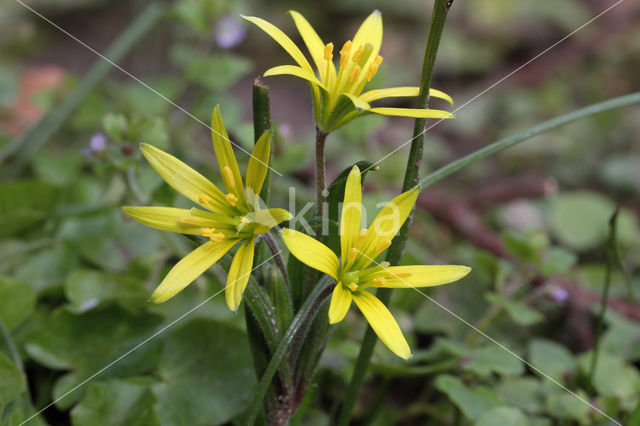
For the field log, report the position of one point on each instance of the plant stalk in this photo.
(438, 19)
(321, 138)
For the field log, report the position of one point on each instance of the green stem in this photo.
(438, 19)
(261, 124)
(501, 145)
(25, 145)
(305, 315)
(611, 260)
(321, 138)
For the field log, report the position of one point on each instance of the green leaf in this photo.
(24, 204)
(115, 126)
(518, 312)
(86, 289)
(86, 343)
(558, 261)
(562, 405)
(17, 301)
(12, 382)
(207, 375)
(552, 359)
(580, 220)
(520, 247)
(473, 402)
(525, 393)
(613, 376)
(492, 359)
(116, 402)
(217, 72)
(501, 416)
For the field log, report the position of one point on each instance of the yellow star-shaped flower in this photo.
(360, 248)
(337, 94)
(230, 218)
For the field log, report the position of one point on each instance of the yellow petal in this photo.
(369, 32)
(311, 252)
(268, 218)
(184, 179)
(395, 92)
(357, 102)
(296, 72)
(351, 212)
(282, 39)
(225, 156)
(412, 112)
(382, 323)
(189, 268)
(259, 163)
(314, 44)
(419, 275)
(340, 302)
(239, 274)
(163, 218)
(386, 225)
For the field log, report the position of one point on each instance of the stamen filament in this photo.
(227, 176)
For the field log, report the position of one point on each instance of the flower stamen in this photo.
(231, 199)
(210, 233)
(353, 286)
(227, 177)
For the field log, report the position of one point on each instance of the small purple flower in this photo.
(559, 294)
(97, 145)
(229, 31)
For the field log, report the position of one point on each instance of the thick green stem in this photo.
(262, 123)
(304, 316)
(438, 19)
(25, 145)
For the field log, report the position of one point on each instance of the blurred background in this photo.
(75, 274)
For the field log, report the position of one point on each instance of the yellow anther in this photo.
(204, 199)
(383, 245)
(353, 252)
(356, 56)
(354, 74)
(361, 238)
(401, 274)
(373, 68)
(227, 176)
(353, 286)
(344, 53)
(244, 221)
(231, 199)
(211, 233)
(328, 51)
(384, 264)
(379, 280)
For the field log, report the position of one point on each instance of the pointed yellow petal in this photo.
(396, 92)
(189, 268)
(311, 252)
(163, 218)
(382, 323)
(239, 273)
(314, 43)
(185, 180)
(351, 213)
(386, 225)
(296, 72)
(419, 275)
(282, 39)
(225, 156)
(259, 163)
(268, 218)
(369, 32)
(412, 112)
(340, 302)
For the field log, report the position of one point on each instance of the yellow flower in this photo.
(337, 94)
(232, 218)
(359, 248)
